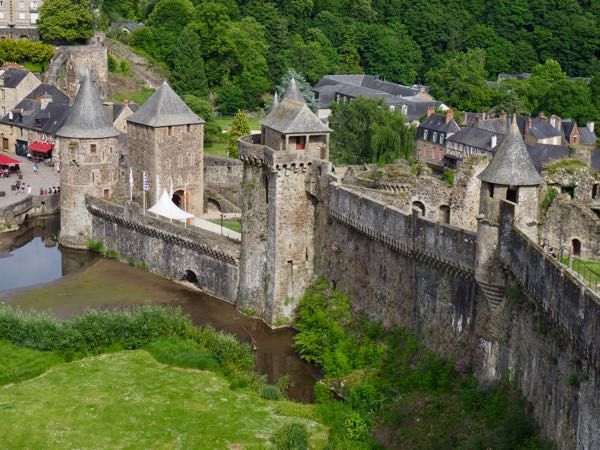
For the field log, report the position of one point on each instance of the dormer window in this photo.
(425, 134)
(404, 109)
(434, 139)
(392, 108)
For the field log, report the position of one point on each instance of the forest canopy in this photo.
(247, 45)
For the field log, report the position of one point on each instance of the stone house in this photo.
(18, 19)
(15, 84)
(431, 137)
(541, 130)
(470, 141)
(30, 127)
(118, 113)
(412, 101)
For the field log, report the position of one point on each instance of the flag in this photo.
(171, 187)
(130, 176)
(146, 183)
(157, 188)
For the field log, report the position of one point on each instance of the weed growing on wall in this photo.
(384, 387)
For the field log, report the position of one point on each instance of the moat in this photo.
(37, 274)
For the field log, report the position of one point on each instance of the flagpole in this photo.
(130, 184)
(144, 192)
(185, 203)
(157, 193)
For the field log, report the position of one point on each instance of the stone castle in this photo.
(461, 267)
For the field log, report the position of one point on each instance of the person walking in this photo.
(35, 168)
(17, 187)
(22, 188)
(28, 189)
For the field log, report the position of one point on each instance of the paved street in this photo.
(46, 178)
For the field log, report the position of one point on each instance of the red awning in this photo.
(40, 147)
(8, 161)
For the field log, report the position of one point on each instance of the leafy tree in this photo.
(303, 86)
(366, 131)
(595, 90)
(240, 127)
(310, 58)
(230, 98)
(167, 20)
(570, 99)
(349, 59)
(188, 75)
(65, 21)
(203, 108)
(461, 81)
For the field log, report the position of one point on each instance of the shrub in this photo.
(356, 427)
(112, 254)
(96, 247)
(270, 392)
(291, 437)
(548, 199)
(178, 352)
(448, 177)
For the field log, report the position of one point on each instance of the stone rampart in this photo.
(30, 206)
(223, 181)
(411, 235)
(168, 249)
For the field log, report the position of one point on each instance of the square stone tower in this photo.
(278, 214)
(166, 139)
(87, 144)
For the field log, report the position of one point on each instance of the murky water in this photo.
(36, 274)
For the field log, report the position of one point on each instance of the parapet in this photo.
(253, 152)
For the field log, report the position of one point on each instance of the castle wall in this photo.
(167, 249)
(223, 180)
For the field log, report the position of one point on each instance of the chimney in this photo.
(590, 126)
(449, 115)
(542, 116)
(125, 102)
(108, 108)
(44, 100)
(503, 116)
(494, 140)
(430, 110)
(555, 121)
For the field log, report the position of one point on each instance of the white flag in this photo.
(130, 176)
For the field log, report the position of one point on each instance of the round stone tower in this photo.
(87, 144)
(510, 176)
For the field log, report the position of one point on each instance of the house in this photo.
(541, 130)
(412, 101)
(30, 127)
(15, 84)
(432, 134)
(130, 27)
(18, 19)
(118, 113)
(541, 154)
(587, 136)
(468, 142)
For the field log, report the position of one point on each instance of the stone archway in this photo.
(190, 276)
(178, 198)
(444, 214)
(576, 247)
(419, 207)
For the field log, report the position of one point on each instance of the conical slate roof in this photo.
(292, 115)
(275, 101)
(88, 119)
(511, 165)
(165, 109)
(293, 93)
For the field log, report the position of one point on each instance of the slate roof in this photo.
(292, 115)
(542, 129)
(47, 89)
(119, 107)
(393, 94)
(88, 119)
(596, 160)
(476, 137)
(12, 77)
(496, 125)
(511, 164)
(540, 154)
(437, 122)
(164, 109)
(586, 136)
(567, 127)
(30, 115)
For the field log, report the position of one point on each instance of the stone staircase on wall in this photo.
(494, 294)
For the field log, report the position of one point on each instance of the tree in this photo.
(188, 75)
(65, 21)
(461, 81)
(349, 59)
(570, 99)
(240, 127)
(366, 131)
(203, 108)
(167, 20)
(303, 86)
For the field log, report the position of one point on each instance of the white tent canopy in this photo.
(166, 208)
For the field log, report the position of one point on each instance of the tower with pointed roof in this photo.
(166, 140)
(87, 144)
(510, 176)
(278, 210)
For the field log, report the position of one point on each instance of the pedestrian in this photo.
(35, 168)
(17, 187)
(22, 188)
(28, 189)
(58, 190)
(41, 191)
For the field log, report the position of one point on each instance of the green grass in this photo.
(129, 400)
(217, 149)
(33, 67)
(18, 364)
(140, 96)
(225, 122)
(180, 353)
(569, 165)
(235, 225)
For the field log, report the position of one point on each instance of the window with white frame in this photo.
(434, 137)
(425, 134)
(21, 16)
(22, 4)
(441, 138)
(404, 109)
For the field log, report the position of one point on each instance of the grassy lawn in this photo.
(129, 400)
(17, 364)
(235, 225)
(217, 149)
(588, 269)
(33, 67)
(225, 122)
(138, 97)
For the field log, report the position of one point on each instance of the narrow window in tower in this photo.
(106, 194)
(266, 190)
(189, 128)
(300, 142)
(92, 148)
(491, 190)
(306, 253)
(170, 131)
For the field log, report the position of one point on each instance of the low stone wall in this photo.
(168, 249)
(30, 206)
(223, 181)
